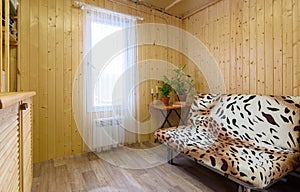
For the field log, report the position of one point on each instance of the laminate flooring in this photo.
(125, 170)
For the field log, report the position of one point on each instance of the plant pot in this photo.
(165, 100)
(181, 98)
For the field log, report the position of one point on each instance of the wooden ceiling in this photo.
(178, 8)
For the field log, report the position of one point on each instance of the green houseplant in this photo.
(165, 89)
(181, 83)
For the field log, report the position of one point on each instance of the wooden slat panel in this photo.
(226, 45)
(51, 79)
(75, 139)
(34, 67)
(26, 157)
(252, 52)
(41, 149)
(10, 177)
(15, 142)
(272, 30)
(55, 52)
(296, 47)
(269, 46)
(1, 49)
(246, 46)
(219, 20)
(13, 54)
(59, 79)
(8, 134)
(6, 47)
(239, 46)
(9, 161)
(67, 77)
(238, 33)
(287, 47)
(277, 43)
(232, 73)
(24, 41)
(260, 47)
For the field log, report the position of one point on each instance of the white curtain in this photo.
(109, 76)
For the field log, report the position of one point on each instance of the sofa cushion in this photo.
(265, 121)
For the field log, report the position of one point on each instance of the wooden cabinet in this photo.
(16, 141)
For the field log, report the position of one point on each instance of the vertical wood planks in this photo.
(252, 45)
(6, 46)
(263, 46)
(277, 43)
(75, 62)
(1, 49)
(220, 46)
(256, 43)
(260, 47)
(42, 93)
(232, 74)
(246, 46)
(269, 45)
(287, 47)
(51, 51)
(24, 41)
(67, 78)
(296, 47)
(226, 46)
(239, 46)
(51, 78)
(59, 79)
(33, 64)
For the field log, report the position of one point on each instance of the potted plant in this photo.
(181, 83)
(165, 89)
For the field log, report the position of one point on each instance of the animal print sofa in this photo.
(252, 139)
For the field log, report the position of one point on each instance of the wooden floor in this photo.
(88, 172)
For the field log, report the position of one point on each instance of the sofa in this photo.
(251, 139)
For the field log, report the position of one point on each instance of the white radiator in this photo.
(107, 133)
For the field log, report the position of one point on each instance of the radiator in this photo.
(107, 133)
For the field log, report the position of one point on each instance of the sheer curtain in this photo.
(109, 76)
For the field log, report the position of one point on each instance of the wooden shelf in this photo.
(10, 49)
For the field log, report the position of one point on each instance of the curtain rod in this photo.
(83, 5)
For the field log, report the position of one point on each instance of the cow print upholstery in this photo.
(253, 138)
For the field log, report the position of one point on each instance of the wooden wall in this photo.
(256, 43)
(51, 41)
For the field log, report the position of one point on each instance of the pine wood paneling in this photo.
(260, 48)
(246, 46)
(263, 44)
(51, 51)
(67, 78)
(296, 47)
(255, 42)
(33, 64)
(287, 47)
(252, 45)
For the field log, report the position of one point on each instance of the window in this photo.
(104, 88)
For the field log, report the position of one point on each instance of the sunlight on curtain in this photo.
(109, 77)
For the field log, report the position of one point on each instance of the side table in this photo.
(169, 110)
